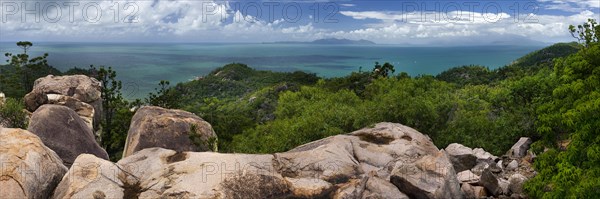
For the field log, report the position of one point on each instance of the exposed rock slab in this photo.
(153, 126)
(63, 131)
(462, 157)
(431, 176)
(342, 166)
(93, 177)
(29, 168)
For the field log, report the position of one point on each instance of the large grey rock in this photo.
(309, 187)
(504, 186)
(473, 192)
(513, 165)
(153, 126)
(467, 177)
(368, 187)
(516, 183)
(92, 177)
(462, 157)
(431, 176)
(163, 173)
(29, 168)
(483, 156)
(84, 110)
(63, 131)
(379, 188)
(490, 182)
(367, 163)
(80, 87)
(519, 149)
(331, 161)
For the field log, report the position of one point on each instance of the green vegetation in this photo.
(20, 72)
(551, 95)
(12, 114)
(232, 98)
(467, 75)
(571, 112)
(116, 114)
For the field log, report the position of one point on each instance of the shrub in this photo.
(12, 114)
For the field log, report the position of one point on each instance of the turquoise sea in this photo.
(141, 66)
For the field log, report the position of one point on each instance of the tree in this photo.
(383, 71)
(163, 96)
(18, 76)
(586, 33)
(112, 100)
(24, 45)
(571, 113)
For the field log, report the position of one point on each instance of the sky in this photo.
(418, 23)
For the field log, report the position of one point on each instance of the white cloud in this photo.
(571, 5)
(463, 27)
(215, 21)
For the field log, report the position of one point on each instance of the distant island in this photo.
(327, 41)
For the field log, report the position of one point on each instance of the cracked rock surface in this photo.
(386, 161)
(29, 168)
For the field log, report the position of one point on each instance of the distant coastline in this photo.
(329, 41)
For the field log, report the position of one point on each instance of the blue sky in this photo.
(386, 22)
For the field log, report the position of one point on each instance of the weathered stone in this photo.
(379, 188)
(92, 177)
(332, 161)
(431, 176)
(309, 187)
(153, 126)
(519, 149)
(483, 155)
(462, 157)
(84, 110)
(34, 100)
(380, 147)
(167, 173)
(473, 192)
(29, 168)
(516, 183)
(63, 131)
(503, 184)
(467, 177)
(490, 182)
(354, 188)
(342, 166)
(513, 165)
(83, 88)
(492, 166)
(368, 187)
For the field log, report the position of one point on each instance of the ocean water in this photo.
(141, 66)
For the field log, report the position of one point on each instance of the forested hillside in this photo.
(551, 95)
